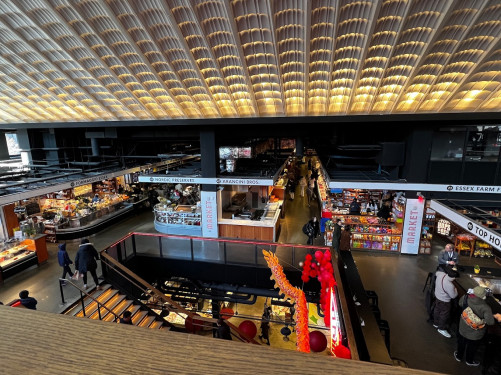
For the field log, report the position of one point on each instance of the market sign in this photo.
(159, 179)
(411, 233)
(403, 186)
(485, 234)
(208, 203)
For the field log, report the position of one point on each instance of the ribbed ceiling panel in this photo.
(94, 60)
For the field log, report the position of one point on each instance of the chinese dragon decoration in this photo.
(291, 292)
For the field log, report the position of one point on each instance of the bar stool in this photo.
(384, 327)
(372, 297)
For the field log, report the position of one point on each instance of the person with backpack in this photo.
(476, 316)
(445, 291)
(64, 261)
(311, 229)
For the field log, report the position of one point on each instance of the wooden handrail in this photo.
(171, 302)
(350, 335)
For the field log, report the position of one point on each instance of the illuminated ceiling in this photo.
(91, 60)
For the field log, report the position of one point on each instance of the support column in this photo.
(299, 147)
(208, 194)
(4, 151)
(50, 146)
(24, 144)
(94, 142)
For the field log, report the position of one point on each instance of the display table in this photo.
(26, 253)
(265, 229)
(469, 280)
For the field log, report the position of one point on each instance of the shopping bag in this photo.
(77, 275)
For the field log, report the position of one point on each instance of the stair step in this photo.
(137, 317)
(147, 321)
(118, 310)
(87, 301)
(109, 305)
(157, 324)
(102, 298)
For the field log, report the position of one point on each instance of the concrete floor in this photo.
(398, 280)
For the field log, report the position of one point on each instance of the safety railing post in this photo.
(83, 304)
(61, 290)
(160, 247)
(191, 248)
(134, 244)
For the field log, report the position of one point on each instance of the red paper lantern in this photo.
(248, 328)
(226, 313)
(342, 351)
(318, 341)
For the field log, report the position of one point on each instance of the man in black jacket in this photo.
(86, 261)
(336, 235)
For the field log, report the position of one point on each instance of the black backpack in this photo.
(307, 229)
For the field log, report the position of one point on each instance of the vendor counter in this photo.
(21, 255)
(82, 226)
(265, 228)
(487, 277)
(182, 219)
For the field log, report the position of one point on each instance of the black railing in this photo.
(82, 299)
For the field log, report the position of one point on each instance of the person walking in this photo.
(311, 190)
(302, 185)
(64, 261)
(265, 330)
(126, 317)
(86, 261)
(312, 230)
(445, 291)
(336, 235)
(345, 241)
(448, 256)
(27, 301)
(473, 323)
(291, 185)
(223, 330)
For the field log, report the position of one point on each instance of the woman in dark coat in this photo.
(344, 243)
(86, 261)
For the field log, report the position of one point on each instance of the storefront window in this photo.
(484, 144)
(12, 144)
(448, 145)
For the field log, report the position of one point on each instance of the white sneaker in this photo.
(443, 332)
(85, 286)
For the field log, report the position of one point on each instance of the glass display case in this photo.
(19, 254)
(14, 254)
(181, 215)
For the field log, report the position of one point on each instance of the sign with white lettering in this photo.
(403, 186)
(483, 233)
(158, 179)
(411, 233)
(208, 202)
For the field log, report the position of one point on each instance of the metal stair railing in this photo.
(82, 293)
(172, 305)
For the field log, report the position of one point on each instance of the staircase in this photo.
(109, 304)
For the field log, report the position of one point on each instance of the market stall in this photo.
(178, 210)
(249, 212)
(20, 253)
(368, 231)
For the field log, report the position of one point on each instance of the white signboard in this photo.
(159, 179)
(411, 232)
(483, 233)
(403, 186)
(208, 204)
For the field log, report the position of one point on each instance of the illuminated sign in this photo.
(444, 227)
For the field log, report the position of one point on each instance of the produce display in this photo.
(81, 206)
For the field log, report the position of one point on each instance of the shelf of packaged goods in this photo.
(374, 248)
(366, 237)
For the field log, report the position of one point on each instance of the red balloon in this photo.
(305, 278)
(318, 341)
(308, 257)
(249, 328)
(319, 255)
